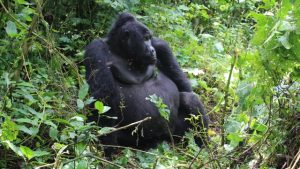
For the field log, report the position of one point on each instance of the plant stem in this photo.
(226, 99)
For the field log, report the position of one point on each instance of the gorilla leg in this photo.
(191, 105)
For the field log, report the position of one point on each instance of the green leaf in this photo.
(82, 164)
(11, 29)
(9, 130)
(21, 2)
(58, 146)
(40, 153)
(31, 131)
(284, 40)
(234, 138)
(23, 120)
(80, 104)
(101, 108)
(258, 126)
(80, 147)
(261, 127)
(13, 148)
(162, 108)
(53, 132)
(83, 91)
(27, 152)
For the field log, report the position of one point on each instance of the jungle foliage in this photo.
(242, 56)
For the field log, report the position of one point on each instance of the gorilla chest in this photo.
(133, 97)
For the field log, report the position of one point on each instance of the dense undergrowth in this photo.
(242, 57)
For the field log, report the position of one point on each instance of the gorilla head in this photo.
(131, 40)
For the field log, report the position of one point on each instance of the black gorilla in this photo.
(128, 66)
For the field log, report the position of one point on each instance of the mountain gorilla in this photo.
(126, 67)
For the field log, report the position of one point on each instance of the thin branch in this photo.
(104, 160)
(235, 56)
(194, 159)
(133, 149)
(295, 160)
(127, 126)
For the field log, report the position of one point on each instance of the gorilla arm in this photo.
(98, 75)
(169, 66)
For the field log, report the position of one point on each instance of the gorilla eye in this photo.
(147, 37)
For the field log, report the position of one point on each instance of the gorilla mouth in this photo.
(153, 59)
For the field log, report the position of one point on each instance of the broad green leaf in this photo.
(23, 120)
(11, 29)
(53, 132)
(27, 152)
(83, 91)
(31, 131)
(9, 130)
(39, 153)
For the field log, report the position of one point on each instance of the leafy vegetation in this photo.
(243, 59)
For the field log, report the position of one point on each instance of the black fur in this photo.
(128, 66)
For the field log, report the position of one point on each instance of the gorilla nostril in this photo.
(152, 51)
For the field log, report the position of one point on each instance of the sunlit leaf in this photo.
(101, 108)
(9, 130)
(27, 152)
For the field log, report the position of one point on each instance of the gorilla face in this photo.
(132, 40)
(137, 43)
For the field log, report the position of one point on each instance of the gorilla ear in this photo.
(123, 18)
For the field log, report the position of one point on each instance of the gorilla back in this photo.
(126, 67)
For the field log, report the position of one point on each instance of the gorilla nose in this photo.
(152, 50)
